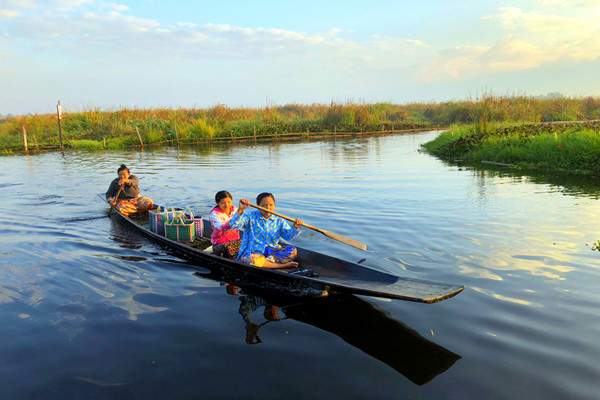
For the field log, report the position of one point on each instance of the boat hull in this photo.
(333, 275)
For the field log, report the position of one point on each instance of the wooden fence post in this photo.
(59, 119)
(24, 138)
(139, 137)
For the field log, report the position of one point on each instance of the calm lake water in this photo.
(90, 309)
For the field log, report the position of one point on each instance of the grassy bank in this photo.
(568, 147)
(95, 129)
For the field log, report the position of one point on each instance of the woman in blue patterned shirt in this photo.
(262, 232)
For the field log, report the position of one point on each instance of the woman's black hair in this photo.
(263, 195)
(222, 194)
(122, 168)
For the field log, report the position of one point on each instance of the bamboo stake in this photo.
(176, 135)
(59, 118)
(139, 137)
(24, 138)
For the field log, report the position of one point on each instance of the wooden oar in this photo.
(331, 235)
(114, 202)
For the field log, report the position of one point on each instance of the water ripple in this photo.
(80, 293)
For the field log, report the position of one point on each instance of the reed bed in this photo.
(97, 129)
(572, 147)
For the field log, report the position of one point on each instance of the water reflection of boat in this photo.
(360, 324)
(329, 275)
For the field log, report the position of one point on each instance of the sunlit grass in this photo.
(117, 129)
(562, 147)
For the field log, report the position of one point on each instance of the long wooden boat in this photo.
(329, 275)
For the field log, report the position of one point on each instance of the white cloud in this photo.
(106, 26)
(454, 63)
(71, 4)
(118, 7)
(569, 3)
(543, 23)
(95, 30)
(18, 3)
(531, 39)
(8, 13)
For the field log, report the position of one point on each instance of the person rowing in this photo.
(124, 193)
(262, 233)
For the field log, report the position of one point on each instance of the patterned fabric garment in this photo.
(229, 250)
(136, 205)
(221, 231)
(260, 233)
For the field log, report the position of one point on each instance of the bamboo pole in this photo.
(24, 138)
(59, 119)
(176, 135)
(139, 137)
(104, 142)
(343, 239)
(254, 128)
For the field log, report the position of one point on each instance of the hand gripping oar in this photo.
(114, 202)
(331, 235)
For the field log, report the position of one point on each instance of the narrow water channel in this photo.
(90, 309)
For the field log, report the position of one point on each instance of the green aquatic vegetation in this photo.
(85, 144)
(122, 142)
(473, 120)
(563, 147)
(201, 129)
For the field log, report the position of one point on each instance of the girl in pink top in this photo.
(225, 241)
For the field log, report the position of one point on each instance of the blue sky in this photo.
(147, 53)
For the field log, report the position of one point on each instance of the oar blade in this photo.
(344, 239)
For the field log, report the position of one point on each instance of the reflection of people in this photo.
(130, 200)
(385, 339)
(249, 305)
(225, 241)
(262, 233)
